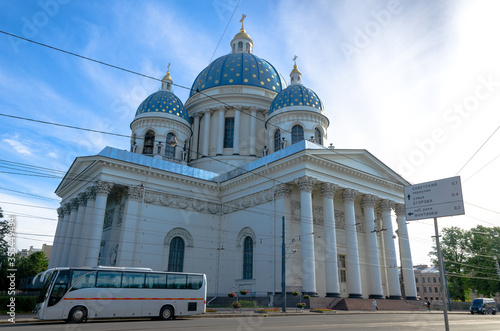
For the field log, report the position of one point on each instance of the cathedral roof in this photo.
(238, 69)
(165, 102)
(296, 95)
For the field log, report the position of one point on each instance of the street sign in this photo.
(434, 199)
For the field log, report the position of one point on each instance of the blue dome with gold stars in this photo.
(296, 95)
(163, 102)
(238, 69)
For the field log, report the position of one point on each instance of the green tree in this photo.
(482, 264)
(455, 250)
(29, 266)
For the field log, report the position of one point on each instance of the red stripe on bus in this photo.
(133, 298)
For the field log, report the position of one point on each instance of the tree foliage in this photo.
(470, 259)
(29, 266)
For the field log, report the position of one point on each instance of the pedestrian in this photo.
(374, 305)
(429, 306)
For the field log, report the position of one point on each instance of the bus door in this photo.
(55, 304)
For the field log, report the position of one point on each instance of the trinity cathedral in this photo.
(206, 183)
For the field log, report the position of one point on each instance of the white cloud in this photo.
(18, 146)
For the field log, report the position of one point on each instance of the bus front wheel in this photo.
(77, 315)
(166, 313)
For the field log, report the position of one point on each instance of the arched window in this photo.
(176, 255)
(248, 258)
(318, 137)
(240, 46)
(297, 134)
(277, 138)
(170, 150)
(149, 142)
(248, 48)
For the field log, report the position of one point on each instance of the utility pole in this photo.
(283, 269)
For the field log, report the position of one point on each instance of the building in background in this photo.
(427, 282)
(205, 184)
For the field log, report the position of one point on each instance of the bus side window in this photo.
(194, 282)
(57, 293)
(156, 281)
(176, 281)
(132, 280)
(108, 279)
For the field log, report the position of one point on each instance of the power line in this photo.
(223, 33)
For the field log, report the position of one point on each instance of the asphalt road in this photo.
(351, 321)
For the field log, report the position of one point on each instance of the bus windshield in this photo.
(47, 278)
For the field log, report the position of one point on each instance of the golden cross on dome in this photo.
(295, 60)
(168, 67)
(242, 19)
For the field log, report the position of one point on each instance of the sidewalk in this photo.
(228, 313)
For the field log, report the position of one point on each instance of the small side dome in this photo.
(163, 102)
(296, 95)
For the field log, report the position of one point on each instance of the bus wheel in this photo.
(77, 315)
(166, 313)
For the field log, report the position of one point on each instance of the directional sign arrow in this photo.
(409, 196)
(409, 214)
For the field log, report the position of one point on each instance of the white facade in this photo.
(204, 188)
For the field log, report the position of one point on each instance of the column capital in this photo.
(82, 198)
(91, 192)
(221, 108)
(369, 201)
(102, 187)
(305, 183)
(400, 209)
(134, 193)
(282, 191)
(60, 211)
(328, 190)
(349, 195)
(253, 109)
(67, 208)
(386, 205)
(73, 203)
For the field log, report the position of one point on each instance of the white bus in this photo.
(78, 294)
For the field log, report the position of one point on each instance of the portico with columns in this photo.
(205, 184)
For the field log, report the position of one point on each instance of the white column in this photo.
(253, 137)
(373, 260)
(86, 238)
(282, 194)
(196, 134)
(64, 234)
(331, 264)
(206, 137)
(405, 252)
(220, 134)
(70, 236)
(102, 191)
(390, 250)
(236, 137)
(76, 248)
(306, 185)
(352, 257)
(57, 238)
(131, 214)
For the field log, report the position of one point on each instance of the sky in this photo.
(416, 83)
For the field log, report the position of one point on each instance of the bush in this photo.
(248, 304)
(24, 304)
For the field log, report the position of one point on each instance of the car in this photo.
(483, 306)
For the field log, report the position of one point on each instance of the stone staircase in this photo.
(363, 304)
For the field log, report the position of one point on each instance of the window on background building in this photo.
(432, 298)
(170, 150)
(228, 132)
(423, 279)
(318, 136)
(277, 140)
(342, 269)
(425, 289)
(297, 134)
(416, 280)
(149, 142)
(434, 279)
(428, 279)
(435, 289)
(176, 255)
(418, 289)
(248, 258)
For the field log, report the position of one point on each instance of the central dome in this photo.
(238, 69)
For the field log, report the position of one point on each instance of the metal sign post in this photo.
(432, 200)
